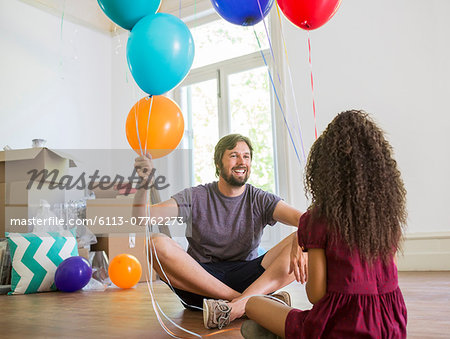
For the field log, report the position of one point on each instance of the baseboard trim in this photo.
(425, 252)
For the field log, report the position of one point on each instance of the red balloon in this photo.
(309, 14)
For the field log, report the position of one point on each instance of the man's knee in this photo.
(163, 245)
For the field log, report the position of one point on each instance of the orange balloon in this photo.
(125, 270)
(165, 127)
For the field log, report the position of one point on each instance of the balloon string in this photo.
(156, 307)
(291, 84)
(279, 80)
(61, 62)
(150, 268)
(277, 97)
(137, 125)
(312, 86)
(148, 199)
(151, 291)
(170, 285)
(62, 19)
(148, 121)
(155, 303)
(268, 38)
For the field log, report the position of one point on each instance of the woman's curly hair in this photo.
(355, 185)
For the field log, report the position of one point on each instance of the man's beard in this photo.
(231, 180)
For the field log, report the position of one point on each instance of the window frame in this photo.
(282, 162)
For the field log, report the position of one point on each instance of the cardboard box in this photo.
(2, 209)
(15, 219)
(112, 216)
(15, 164)
(8, 212)
(125, 243)
(117, 191)
(15, 200)
(18, 202)
(104, 194)
(83, 252)
(18, 194)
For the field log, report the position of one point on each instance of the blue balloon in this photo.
(73, 274)
(126, 13)
(243, 12)
(160, 52)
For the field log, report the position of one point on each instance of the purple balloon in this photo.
(243, 12)
(73, 274)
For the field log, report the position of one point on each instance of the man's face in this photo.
(236, 164)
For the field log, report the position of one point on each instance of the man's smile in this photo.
(240, 171)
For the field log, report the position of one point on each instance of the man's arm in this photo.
(286, 214)
(298, 265)
(164, 209)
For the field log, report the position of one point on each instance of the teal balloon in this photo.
(126, 13)
(160, 52)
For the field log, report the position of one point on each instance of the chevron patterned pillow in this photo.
(35, 257)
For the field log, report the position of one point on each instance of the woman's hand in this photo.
(298, 262)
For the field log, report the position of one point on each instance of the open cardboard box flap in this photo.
(16, 164)
(32, 153)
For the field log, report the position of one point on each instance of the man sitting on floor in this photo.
(227, 219)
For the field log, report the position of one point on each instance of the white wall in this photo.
(53, 86)
(125, 92)
(392, 59)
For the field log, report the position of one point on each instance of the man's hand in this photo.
(144, 167)
(299, 262)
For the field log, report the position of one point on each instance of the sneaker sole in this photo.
(288, 297)
(205, 314)
(283, 297)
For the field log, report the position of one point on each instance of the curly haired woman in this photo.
(352, 231)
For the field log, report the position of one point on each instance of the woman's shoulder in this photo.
(310, 221)
(312, 231)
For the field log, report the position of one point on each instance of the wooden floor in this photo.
(129, 313)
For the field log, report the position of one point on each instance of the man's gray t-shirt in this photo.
(225, 228)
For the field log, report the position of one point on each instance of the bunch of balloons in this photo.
(306, 14)
(160, 52)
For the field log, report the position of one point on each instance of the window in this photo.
(228, 91)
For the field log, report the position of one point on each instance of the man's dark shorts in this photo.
(236, 274)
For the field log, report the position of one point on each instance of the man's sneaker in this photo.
(252, 330)
(216, 313)
(283, 296)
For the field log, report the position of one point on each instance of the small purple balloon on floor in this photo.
(73, 274)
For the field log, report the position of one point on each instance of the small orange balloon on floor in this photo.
(125, 270)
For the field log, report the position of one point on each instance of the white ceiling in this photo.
(88, 12)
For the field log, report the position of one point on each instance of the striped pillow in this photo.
(35, 257)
